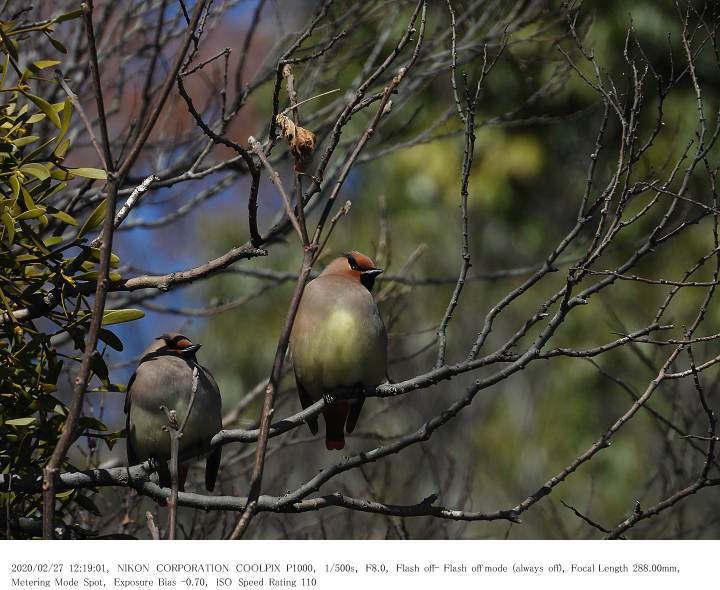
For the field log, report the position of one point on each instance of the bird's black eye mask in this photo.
(353, 263)
(367, 275)
(179, 345)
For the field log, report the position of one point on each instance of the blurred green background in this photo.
(527, 180)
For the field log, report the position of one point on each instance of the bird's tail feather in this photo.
(354, 414)
(335, 417)
(212, 465)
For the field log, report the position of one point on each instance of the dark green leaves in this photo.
(111, 339)
(40, 267)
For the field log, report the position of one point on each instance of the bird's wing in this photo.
(216, 392)
(132, 457)
(210, 378)
(212, 465)
(305, 402)
(127, 392)
(354, 414)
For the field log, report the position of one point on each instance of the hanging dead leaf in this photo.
(300, 140)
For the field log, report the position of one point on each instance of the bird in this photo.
(165, 377)
(338, 344)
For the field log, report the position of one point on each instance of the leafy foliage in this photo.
(46, 268)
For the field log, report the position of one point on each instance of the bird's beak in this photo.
(193, 348)
(373, 272)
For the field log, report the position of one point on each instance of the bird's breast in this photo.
(341, 324)
(343, 347)
(171, 386)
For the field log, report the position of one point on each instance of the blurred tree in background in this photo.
(538, 181)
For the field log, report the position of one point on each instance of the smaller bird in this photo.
(164, 377)
(339, 343)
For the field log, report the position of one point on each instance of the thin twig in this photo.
(275, 178)
(132, 200)
(152, 527)
(88, 126)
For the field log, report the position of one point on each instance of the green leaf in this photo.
(66, 117)
(60, 152)
(15, 186)
(31, 213)
(77, 334)
(9, 224)
(23, 141)
(95, 255)
(39, 171)
(110, 339)
(36, 153)
(59, 173)
(62, 216)
(21, 421)
(111, 438)
(52, 241)
(36, 118)
(119, 316)
(5, 68)
(68, 15)
(55, 43)
(98, 366)
(95, 173)
(46, 108)
(95, 219)
(41, 64)
(27, 199)
(90, 422)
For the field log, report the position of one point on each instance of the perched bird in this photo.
(339, 343)
(164, 377)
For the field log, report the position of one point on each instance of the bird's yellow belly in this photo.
(342, 354)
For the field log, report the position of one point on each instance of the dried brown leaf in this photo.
(300, 140)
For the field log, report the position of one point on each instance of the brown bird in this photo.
(339, 343)
(164, 377)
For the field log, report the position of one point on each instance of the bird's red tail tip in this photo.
(334, 444)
